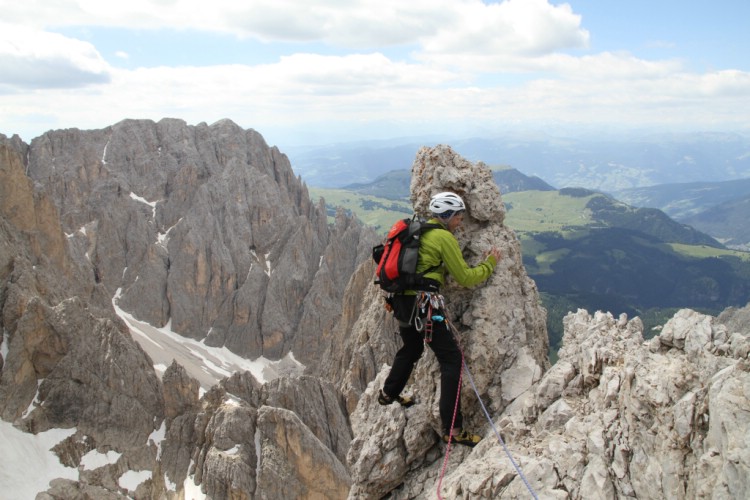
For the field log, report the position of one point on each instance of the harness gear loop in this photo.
(427, 302)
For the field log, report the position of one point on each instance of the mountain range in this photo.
(681, 174)
(587, 249)
(717, 208)
(608, 164)
(181, 320)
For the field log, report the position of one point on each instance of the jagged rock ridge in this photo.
(501, 322)
(204, 227)
(617, 417)
(614, 418)
(69, 361)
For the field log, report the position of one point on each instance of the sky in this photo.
(312, 72)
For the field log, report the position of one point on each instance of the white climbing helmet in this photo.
(446, 203)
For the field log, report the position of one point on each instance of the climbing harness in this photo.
(487, 415)
(428, 304)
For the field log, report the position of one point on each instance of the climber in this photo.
(420, 317)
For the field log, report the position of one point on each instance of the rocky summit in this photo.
(205, 234)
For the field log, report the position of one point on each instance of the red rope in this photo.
(453, 420)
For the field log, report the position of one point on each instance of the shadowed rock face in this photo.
(202, 226)
(69, 361)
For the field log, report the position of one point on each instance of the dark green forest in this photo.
(622, 270)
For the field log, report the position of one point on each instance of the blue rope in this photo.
(497, 434)
(492, 424)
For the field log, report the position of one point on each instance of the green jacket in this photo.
(440, 246)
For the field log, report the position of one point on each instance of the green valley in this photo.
(585, 249)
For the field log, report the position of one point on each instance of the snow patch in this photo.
(207, 364)
(163, 238)
(160, 368)
(267, 269)
(4, 346)
(151, 204)
(231, 400)
(132, 479)
(169, 485)
(192, 491)
(26, 463)
(94, 459)
(104, 154)
(34, 402)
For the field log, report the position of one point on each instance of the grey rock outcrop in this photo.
(205, 227)
(641, 419)
(294, 463)
(247, 441)
(217, 223)
(501, 323)
(69, 361)
(615, 417)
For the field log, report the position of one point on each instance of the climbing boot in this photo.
(464, 437)
(384, 399)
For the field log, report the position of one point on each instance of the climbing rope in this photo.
(487, 415)
(450, 433)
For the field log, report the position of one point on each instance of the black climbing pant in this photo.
(446, 351)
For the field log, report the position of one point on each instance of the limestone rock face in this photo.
(207, 226)
(616, 417)
(501, 325)
(181, 393)
(317, 405)
(276, 441)
(202, 226)
(645, 420)
(68, 360)
(294, 463)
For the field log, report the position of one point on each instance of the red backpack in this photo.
(397, 258)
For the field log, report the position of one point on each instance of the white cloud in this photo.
(454, 26)
(727, 83)
(337, 95)
(512, 28)
(609, 66)
(470, 62)
(39, 59)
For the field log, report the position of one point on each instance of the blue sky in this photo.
(303, 72)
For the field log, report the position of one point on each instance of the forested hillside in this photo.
(585, 249)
